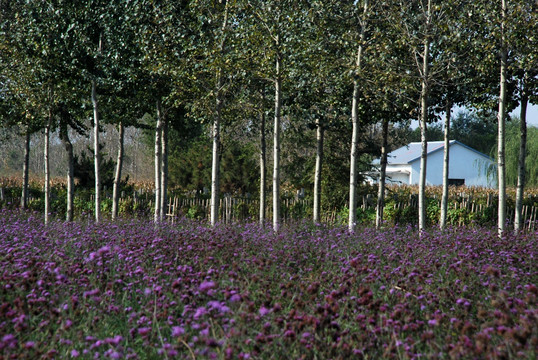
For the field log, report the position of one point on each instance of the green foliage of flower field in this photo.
(134, 289)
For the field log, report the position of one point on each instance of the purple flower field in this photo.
(186, 291)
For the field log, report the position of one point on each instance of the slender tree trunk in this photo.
(117, 174)
(444, 199)
(382, 176)
(25, 167)
(96, 154)
(353, 171)
(317, 176)
(423, 124)
(158, 159)
(47, 167)
(164, 168)
(276, 146)
(354, 154)
(501, 170)
(518, 221)
(215, 165)
(263, 166)
(70, 180)
(64, 135)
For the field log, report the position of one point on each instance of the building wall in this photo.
(394, 172)
(464, 164)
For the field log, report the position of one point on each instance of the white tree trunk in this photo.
(518, 220)
(64, 135)
(96, 154)
(25, 168)
(446, 161)
(263, 166)
(354, 154)
(382, 176)
(353, 171)
(423, 124)
(117, 174)
(501, 170)
(164, 168)
(215, 163)
(47, 168)
(158, 149)
(276, 146)
(215, 166)
(317, 175)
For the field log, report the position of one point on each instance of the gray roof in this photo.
(409, 153)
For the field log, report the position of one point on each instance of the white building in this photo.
(467, 166)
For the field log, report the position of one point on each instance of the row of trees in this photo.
(222, 63)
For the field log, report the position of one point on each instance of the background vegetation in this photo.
(205, 62)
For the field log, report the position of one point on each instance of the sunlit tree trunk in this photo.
(317, 176)
(353, 170)
(263, 165)
(446, 161)
(47, 167)
(276, 146)
(423, 124)
(64, 135)
(158, 159)
(25, 167)
(215, 165)
(501, 169)
(518, 221)
(164, 168)
(96, 154)
(382, 176)
(117, 174)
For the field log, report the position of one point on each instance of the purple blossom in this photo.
(201, 311)
(104, 250)
(116, 340)
(177, 331)
(264, 311)
(207, 285)
(113, 354)
(10, 340)
(235, 298)
(144, 331)
(218, 306)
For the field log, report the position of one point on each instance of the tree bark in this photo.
(158, 159)
(446, 162)
(501, 169)
(353, 175)
(64, 135)
(382, 176)
(276, 144)
(164, 168)
(215, 165)
(320, 130)
(423, 124)
(25, 168)
(117, 174)
(47, 167)
(96, 154)
(263, 165)
(518, 221)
